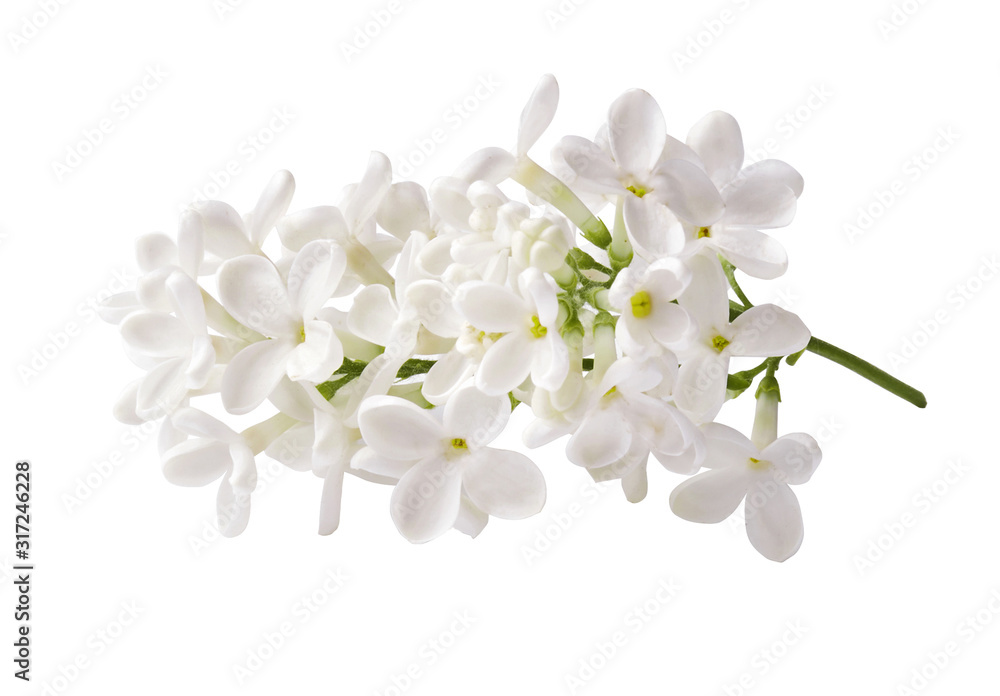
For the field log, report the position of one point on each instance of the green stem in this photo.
(868, 371)
(730, 270)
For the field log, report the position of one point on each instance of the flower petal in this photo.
(404, 209)
(594, 169)
(774, 522)
(398, 429)
(373, 314)
(652, 227)
(225, 235)
(475, 417)
(776, 171)
(367, 195)
(760, 203)
(719, 143)
(795, 455)
(271, 206)
(707, 295)
(688, 191)
(232, 510)
(314, 275)
(490, 307)
(506, 365)
(751, 251)
(701, 385)
(253, 373)
(767, 331)
(603, 438)
(322, 222)
(636, 132)
(156, 334)
(330, 500)
(251, 289)
(425, 503)
(435, 308)
(196, 462)
(710, 496)
(537, 113)
(504, 484)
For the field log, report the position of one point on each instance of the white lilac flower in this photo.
(527, 329)
(760, 196)
(441, 462)
(298, 344)
(759, 472)
(762, 331)
(651, 321)
(658, 177)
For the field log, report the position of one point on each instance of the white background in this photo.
(838, 90)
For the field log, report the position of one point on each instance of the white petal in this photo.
(795, 455)
(776, 171)
(710, 496)
(369, 192)
(774, 521)
(490, 164)
(373, 314)
(252, 290)
(635, 484)
(187, 298)
(271, 206)
(636, 132)
(156, 334)
(543, 292)
(768, 331)
(191, 242)
(368, 460)
(471, 520)
(197, 423)
(652, 227)
(434, 305)
(253, 374)
(491, 308)
(707, 296)
(761, 204)
(725, 446)
(445, 376)
(751, 251)
(330, 501)
(668, 323)
(404, 209)
(163, 388)
(293, 448)
(225, 235)
(719, 143)
(125, 406)
(315, 273)
(425, 502)
(701, 385)
(550, 362)
(504, 484)
(506, 364)
(154, 251)
(603, 438)
(537, 113)
(595, 170)
(688, 191)
(232, 510)
(196, 462)
(322, 222)
(475, 417)
(316, 358)
(118, 306)
(398, 429)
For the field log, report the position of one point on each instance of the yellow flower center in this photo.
(758, 465)
(704, 232)
(719, 343)
(459, 443)
(638, 190)
(537, 330)
(642, 304)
